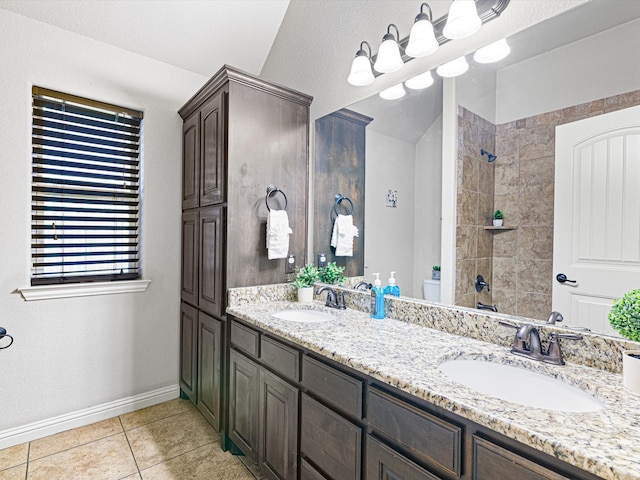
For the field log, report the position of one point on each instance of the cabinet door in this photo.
(329, 442)
(189, 280)
(278, 444)
(191, 161)
(188, 350)
(243, 403)
(210, 286)
(209, 368)
(212, 163)
(383, 463)
(491, 462)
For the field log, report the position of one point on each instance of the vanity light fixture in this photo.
(393, 93)
(361, 73)
(463, 20)
(493, 52)
(453, 68)
(389, 59)
(421, 81)
(422, 39)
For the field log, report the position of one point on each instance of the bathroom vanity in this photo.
(353, 398)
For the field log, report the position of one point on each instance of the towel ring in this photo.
(339, 199)
(3, 334)
(272, 191)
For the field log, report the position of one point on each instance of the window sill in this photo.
(48, 292)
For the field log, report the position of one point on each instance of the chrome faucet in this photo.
(334, 299)
(555, 317)
(526, 343)
(366, 285)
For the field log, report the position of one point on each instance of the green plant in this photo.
(306, 276)
(497, 215)
(332, 274)
(624, 315)
(436, 268)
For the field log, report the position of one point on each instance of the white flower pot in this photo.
(631, 370)
(497, 222)
(305, 295)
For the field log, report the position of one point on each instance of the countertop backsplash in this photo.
(596, 351)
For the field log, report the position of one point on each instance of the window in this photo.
(85, 203)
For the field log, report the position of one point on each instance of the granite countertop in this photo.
(406, 356)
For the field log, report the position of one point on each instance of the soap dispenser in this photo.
(392, 288)
(377, 299)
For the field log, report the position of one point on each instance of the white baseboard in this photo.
(80, 418)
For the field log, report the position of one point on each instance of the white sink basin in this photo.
(304, 316)
(519, 385)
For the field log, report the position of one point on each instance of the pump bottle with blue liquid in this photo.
(392, 288)
(377, 299)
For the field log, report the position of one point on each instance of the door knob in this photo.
(562, 278)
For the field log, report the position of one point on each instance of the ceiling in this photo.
(195, 35)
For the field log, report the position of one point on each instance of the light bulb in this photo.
(421, 81)
(422, 40)
(389, 59)
(393, 93)
(493, 52)
(453, 68)
(463, 20)
(361, 73)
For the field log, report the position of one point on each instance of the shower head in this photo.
(490, 156)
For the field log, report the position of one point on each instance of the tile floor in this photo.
(169, 441)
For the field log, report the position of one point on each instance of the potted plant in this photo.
(435, 272)
(305, 278)
(332, 274)
(497, 218)
(624, 317)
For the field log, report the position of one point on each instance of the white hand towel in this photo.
(278, 232)
(342, 236)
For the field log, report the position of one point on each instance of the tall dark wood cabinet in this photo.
(240, 134)
(339, 168)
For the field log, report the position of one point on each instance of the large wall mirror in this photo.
(571, 67)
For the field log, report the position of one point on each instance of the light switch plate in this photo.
(322, 260)
(290, 264)
(391, 199)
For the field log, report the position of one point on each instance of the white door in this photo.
(597, 216)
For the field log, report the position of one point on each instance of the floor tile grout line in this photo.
(151, 422)
(176, 456)
(130, 448)
(71, 448)
(26, 470)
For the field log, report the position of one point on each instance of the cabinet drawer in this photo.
(330, 441)
(384, 463)
(428, 437)
(281, 358)
(491, 461)
(245, 339)
(337, 388)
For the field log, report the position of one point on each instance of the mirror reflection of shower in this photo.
(490, 156)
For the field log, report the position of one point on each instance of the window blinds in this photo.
(85, 190)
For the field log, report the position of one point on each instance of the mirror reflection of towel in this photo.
(342, 236)
(278, 232)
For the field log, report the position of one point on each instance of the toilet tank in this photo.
(431, 290)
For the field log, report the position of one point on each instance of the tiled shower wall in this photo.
(523, 189)
(474, 244)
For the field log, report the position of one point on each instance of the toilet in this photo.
(431, 290)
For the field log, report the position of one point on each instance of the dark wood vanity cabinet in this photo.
(240, 134)
(349, 426)
(263, 406)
